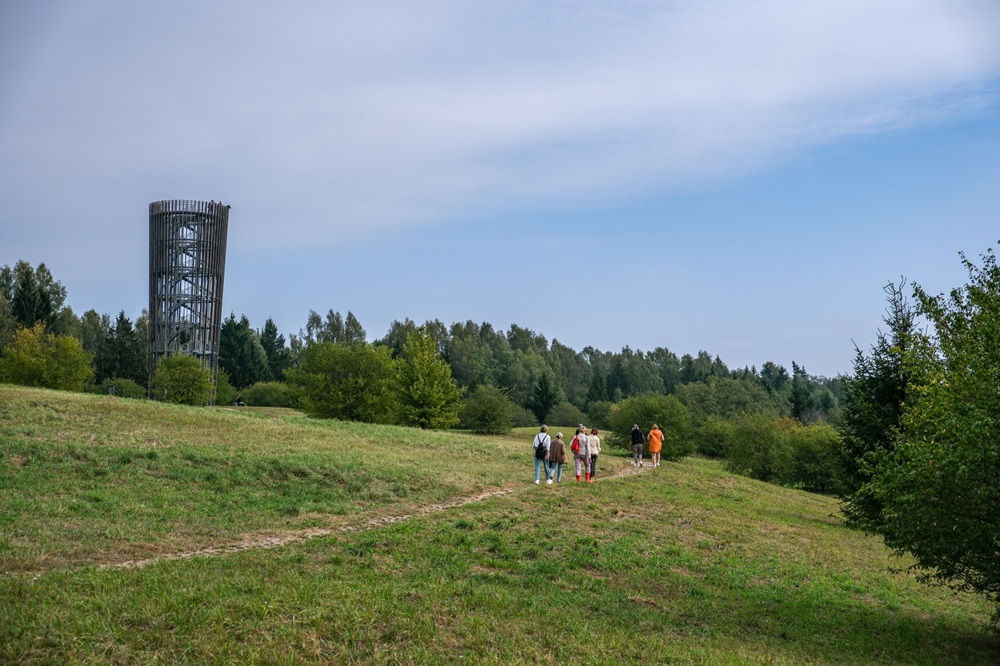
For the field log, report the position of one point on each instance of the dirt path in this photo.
(254, 541)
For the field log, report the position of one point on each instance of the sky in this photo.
(739, 178)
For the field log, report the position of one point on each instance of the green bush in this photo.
(566, 414)
(270, 394)
(598, 414)
(645, 410)
(124, 388)
(350, 382)
(816, 459)
(225, 394)
(180, 379)
(524, 417)
(37, 358)
(487, 410)
(761, 448)
(713, 436)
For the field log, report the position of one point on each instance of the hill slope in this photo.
(681, 564)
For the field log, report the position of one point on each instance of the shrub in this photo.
(598, 414)
(351, 382)
(816, 459)
(487, 410)
(37, 358)
(647, 409)
(271, 394)
(761, 448)
(524, 417)
(713, 436)
(566, 414)
(180, 379)
(124, 388)
(225, 394)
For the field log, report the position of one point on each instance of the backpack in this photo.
(540, 447)
(575, 446)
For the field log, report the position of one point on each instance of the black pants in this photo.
(593, 465)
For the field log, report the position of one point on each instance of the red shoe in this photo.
(588, 477)
(578, 478)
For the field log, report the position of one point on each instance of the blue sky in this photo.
(740, 178)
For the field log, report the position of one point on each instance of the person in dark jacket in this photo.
(638, 440)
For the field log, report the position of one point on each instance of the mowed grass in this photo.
(683, 564)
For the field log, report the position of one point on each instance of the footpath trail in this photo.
(264, 541)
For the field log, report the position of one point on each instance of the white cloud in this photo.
(353, 118)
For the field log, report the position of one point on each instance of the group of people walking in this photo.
(550, 455)
(655, 445)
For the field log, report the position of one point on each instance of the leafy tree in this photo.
(354, 334)
(37, 358)
(873, 408)
(428, 396)
(544, 398)
(713, 436)
(182, 380)
(647, 409)
(761, 448)
(93, 329)
(668, 366)
(565, 414)
(396, 338)
(696, 369)
(573, 371)
(487, 410)
(815, 459)
(347, 382)
(938, 486)
(727, 398)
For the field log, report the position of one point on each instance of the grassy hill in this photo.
(136, 532)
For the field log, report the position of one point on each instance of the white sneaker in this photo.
(536, 482)
(549, 482)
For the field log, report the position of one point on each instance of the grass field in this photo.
(267, 537)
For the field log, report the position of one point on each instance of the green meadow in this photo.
(139, 532)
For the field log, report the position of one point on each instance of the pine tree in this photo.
(428, 396)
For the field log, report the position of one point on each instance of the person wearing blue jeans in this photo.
(557, 458)
(541, 445)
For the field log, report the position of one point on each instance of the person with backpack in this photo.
(541, 445)
(637, 442)
(581, 452)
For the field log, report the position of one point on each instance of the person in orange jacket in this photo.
(655, 440)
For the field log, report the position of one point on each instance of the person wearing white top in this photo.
(540, 445)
